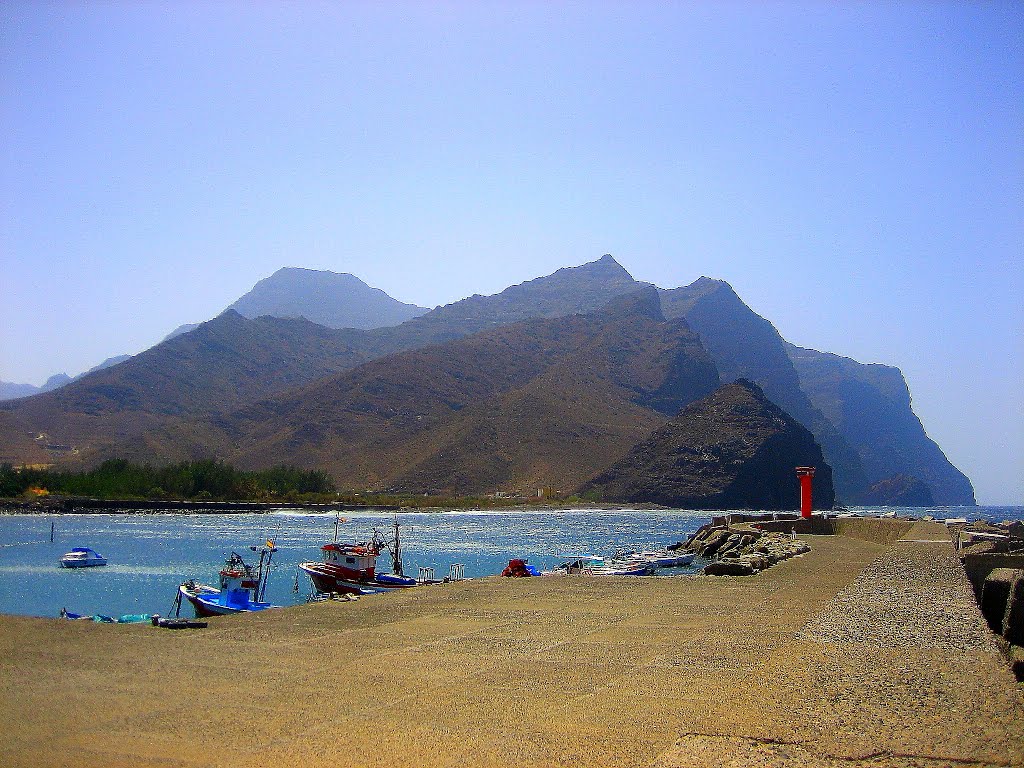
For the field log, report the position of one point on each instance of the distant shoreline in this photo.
(65, 506)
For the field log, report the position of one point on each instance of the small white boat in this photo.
(82, 557)
(591, 565)
(664, 559)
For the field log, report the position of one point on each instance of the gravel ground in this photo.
(914, 595)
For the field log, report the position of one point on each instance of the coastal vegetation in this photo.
(210, 480)
(195, 480)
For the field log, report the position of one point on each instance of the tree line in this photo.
(199, 480)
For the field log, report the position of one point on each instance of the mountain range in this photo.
(544, 385)
(331, 299)
(11, 391)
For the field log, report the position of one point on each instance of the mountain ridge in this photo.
(230, 360)
(870, 404)
(233, 388)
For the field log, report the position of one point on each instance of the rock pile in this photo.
(742, 551)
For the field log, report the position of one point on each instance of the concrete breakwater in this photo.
(993, 557)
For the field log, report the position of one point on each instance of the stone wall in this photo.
(873, 529)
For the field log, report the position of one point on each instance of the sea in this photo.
(150, 554)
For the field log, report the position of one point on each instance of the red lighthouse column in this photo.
(806, 475)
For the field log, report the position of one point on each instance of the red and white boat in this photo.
(352, 568)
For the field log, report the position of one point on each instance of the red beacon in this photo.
(806, 475)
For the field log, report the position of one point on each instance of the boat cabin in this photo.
(351, 557)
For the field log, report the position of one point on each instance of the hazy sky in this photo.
(855, 172)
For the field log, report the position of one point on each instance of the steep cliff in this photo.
(870, 406)
(745, 345)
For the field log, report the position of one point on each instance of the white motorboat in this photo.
(82, 557)
(592, 565)
(664, 559)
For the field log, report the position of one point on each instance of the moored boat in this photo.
(82, 557)
(592, 565)
(352, 568)
(241, 588)
(664, 559)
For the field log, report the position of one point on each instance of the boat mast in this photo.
(259, 571)
(396, 556)
(263, 589)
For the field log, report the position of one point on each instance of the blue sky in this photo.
(855, 172)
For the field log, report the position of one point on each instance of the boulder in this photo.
(714, 542)
(729, 568)
(984, 547)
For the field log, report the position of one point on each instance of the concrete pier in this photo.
(857, 653)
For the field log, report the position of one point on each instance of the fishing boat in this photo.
(82, 557)
(352, 568)
(242, 587)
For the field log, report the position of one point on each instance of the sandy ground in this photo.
(666, 672)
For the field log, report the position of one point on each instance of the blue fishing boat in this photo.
(242, 587)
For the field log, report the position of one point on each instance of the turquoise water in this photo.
(151, 554)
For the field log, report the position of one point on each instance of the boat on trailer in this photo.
(242, 587)
(352, 568)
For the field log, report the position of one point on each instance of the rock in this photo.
(758, 562)
(732, 544)
(984, 547)
(741, 551)
(714, 542)
(693, 544)
(729, 568)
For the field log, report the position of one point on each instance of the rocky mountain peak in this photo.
(332, 299)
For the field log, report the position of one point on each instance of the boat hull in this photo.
(329, 580)
(208, 602)
(82, 557)
(83, 563)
